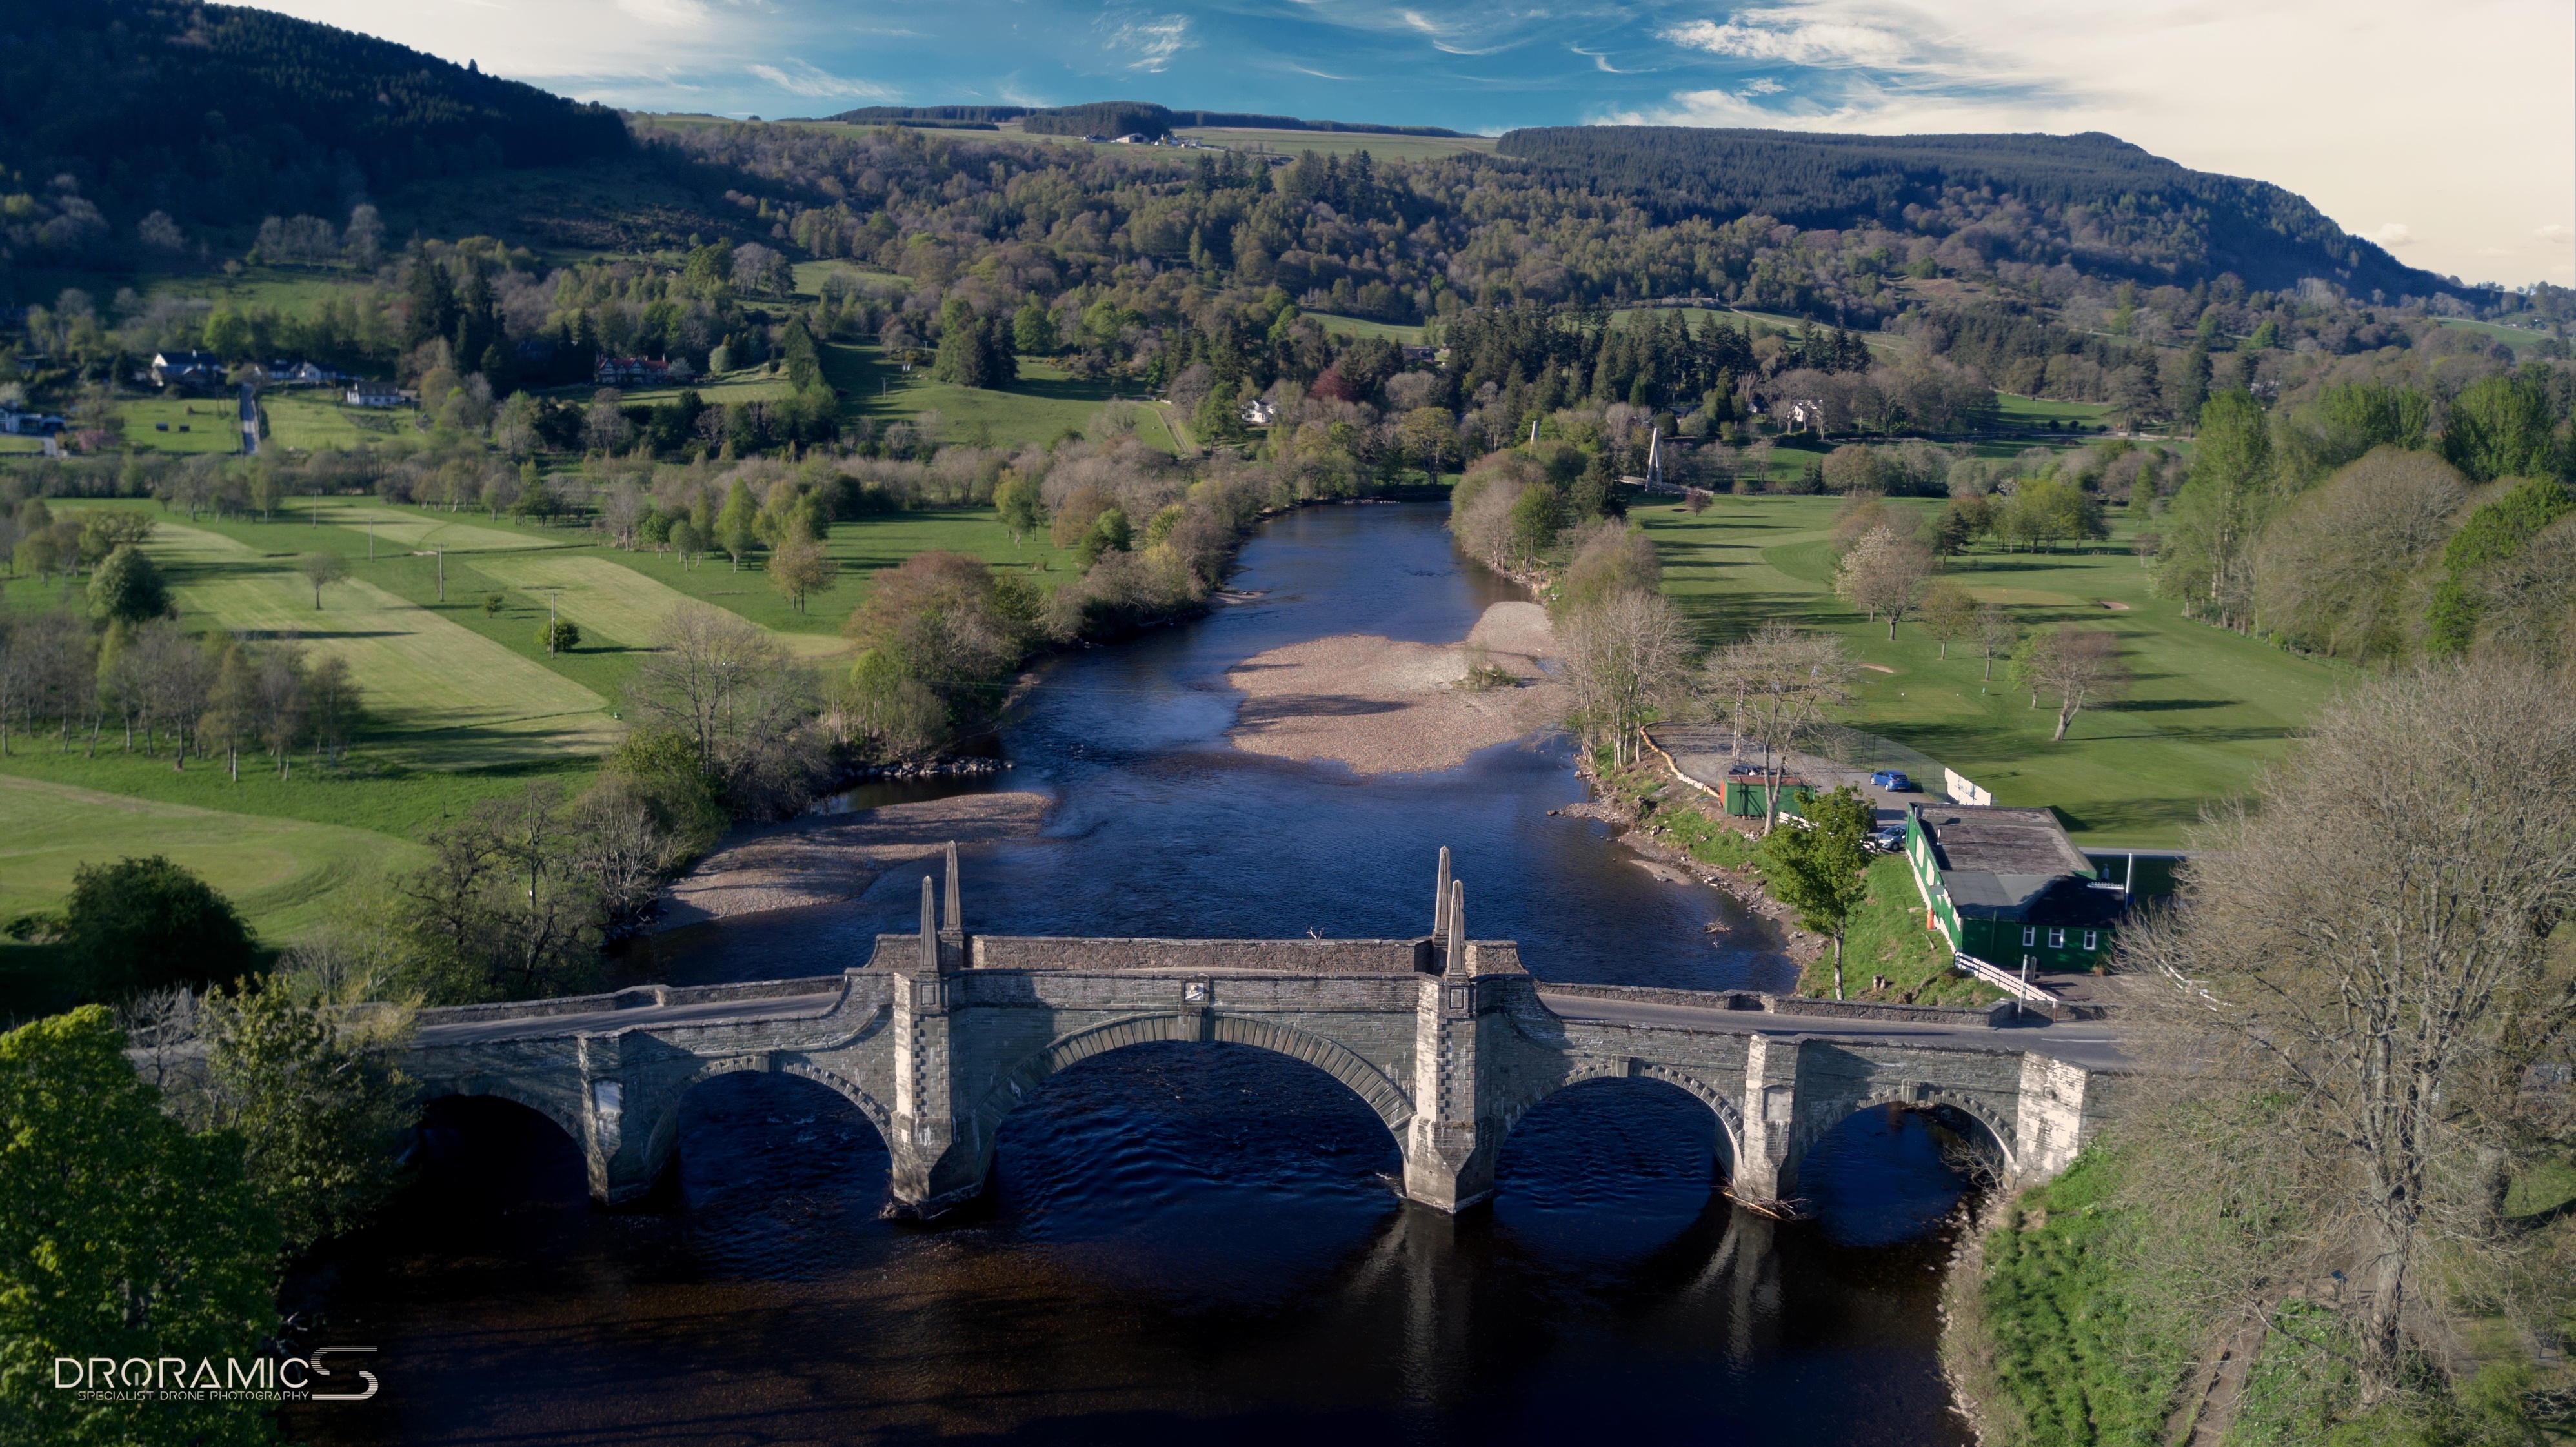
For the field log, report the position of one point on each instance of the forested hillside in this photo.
(112, 111)
(2096, 201)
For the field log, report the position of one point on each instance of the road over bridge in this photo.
(941, 1034)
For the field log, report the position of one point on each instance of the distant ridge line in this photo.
(1164, 118)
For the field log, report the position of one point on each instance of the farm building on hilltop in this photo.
(2008, 887)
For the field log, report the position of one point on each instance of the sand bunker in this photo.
(1384, 707)
(823, 858)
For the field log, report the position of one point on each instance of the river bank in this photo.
(828, 858)
(1382, 706)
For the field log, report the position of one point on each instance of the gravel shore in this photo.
(822, 858)
(1384, 707)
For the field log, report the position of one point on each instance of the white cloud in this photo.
(666, 14)
(797, 77)
(1152, 42)
(1783, 36)
(2394, 234)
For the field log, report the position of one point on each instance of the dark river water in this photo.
(1184, 1242)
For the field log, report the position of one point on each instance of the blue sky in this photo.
(2447, 133)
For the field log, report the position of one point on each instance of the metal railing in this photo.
(2003, 979)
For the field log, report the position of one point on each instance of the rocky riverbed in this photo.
(823, 858)
(1387, 707)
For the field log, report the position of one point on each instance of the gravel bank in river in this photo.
(1385, 707)
(819, 859)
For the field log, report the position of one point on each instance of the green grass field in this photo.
(442, 695)
(1362, 327)
(1380, 147)
(2028, 412)
(308, 420)
(1040, 406)
(2209, 708)
(271, 288)
(744, 384)
(810, 275)
(2521, 339)
(213, 423)
(414, 529)
(278, 871)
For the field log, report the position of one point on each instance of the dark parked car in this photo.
(1893, 781)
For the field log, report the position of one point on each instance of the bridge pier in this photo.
(935, 1167)
(1763, 1169)
(618, 1114)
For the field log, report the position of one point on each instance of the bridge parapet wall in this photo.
(633, 997)
(1180, 957)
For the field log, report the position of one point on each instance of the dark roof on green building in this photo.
(2017, 864)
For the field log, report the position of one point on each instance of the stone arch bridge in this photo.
(1448, 1039)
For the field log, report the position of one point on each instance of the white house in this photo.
(1259, 413)
(194, 369)
(302, 374)
(375, 394)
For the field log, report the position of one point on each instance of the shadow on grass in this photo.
(2162, 705)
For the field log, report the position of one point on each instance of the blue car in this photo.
(1893, 781)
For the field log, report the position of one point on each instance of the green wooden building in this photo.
(2008, 887)
(1752, 798)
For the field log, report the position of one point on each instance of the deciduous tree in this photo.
(800, 568)
(2361, 976)
(122, 1235)
(1822, 869)
(321, 570)
(1777, 689)
(1947, 613)
(1627, 656)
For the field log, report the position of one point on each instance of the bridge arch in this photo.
(1015, 1085)
(1992, 1136)
(1729, 1137)
(554, 1110)
(665, 1134)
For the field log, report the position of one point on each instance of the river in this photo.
(1183, 1242)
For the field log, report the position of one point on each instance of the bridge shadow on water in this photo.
(1181, 1239)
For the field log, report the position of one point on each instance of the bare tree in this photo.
(1627, 656)
(2361, 976)
(1996, 633)
(1885, 573)
(616, 846)
(159, 1026)
(2078, 665)
(171, 678)
(277, 688)
(321, 570)
(722, 683)
(1783, 682)
(232, 707)
(1947, 613)
(621, 512)
(799, 567)
(334, 706)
